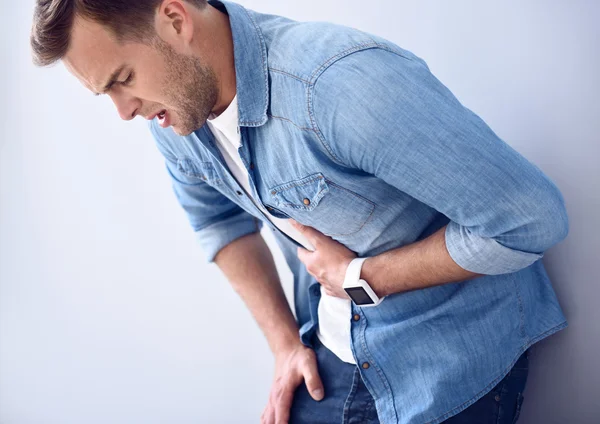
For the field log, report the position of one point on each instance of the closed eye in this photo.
(128, 79)
(114, 81)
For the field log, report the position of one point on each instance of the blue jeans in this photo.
(348, 401)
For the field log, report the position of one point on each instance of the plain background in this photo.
(108, 313)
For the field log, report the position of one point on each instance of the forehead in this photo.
(94, 53)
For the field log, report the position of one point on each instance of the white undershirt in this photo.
(334, 312)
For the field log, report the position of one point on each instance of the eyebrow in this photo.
(112, 79)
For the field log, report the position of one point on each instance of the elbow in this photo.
(553, 221)
(561, 225)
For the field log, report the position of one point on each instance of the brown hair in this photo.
(52, 21)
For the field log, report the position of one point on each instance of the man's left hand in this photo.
(328, 262)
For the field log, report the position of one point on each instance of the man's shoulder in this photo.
(302, 49)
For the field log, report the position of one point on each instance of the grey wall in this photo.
(107, 311)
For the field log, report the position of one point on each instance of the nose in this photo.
(127, 106)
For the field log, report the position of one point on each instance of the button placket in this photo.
(357, 331)
(244, 153)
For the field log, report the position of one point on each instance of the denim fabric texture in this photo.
(351, 134)
(348, 401)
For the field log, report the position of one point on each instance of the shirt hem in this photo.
(490, 386)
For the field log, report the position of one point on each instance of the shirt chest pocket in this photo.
(322, 204)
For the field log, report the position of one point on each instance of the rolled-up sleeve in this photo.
(384, 112)
(215, 219)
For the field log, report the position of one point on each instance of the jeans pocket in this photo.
(518, 408)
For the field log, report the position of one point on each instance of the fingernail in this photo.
(318, 394)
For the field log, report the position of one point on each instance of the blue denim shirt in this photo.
(386, 155)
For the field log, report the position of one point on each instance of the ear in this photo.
(174, 24)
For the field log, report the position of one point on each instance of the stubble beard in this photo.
(190, 87)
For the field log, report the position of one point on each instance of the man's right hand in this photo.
(248, 264)
(292, 366)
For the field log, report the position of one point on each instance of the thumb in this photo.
(313, 381)
(309, 232)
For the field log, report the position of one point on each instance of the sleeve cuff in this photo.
(218, 235)
(484, 255)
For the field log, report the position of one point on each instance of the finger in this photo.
(310, 233)
(284, 404)
(313, 380)
(304, 255)
(267, 415)
(276, 389)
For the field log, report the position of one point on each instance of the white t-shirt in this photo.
(334, 312)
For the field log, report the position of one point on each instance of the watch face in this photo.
(359, 296)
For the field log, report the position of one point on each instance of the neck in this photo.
(216, 44)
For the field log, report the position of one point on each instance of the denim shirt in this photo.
(385, 155)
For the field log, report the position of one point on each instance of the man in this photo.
(378, 184)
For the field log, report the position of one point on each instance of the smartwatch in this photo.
(358, 289)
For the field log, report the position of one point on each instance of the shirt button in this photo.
(251, 165)
(365, 365)
(306, 202)
(356, 317)
(239, 192)
(497, 398)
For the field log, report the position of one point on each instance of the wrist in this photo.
(343, 267)
(368, 273)
(285, 343)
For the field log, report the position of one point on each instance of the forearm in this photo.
(415, 266)
(248, 264)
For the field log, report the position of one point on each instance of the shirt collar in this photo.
(250, 53)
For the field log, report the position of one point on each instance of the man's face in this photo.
(151, 80)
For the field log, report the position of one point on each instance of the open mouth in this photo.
(163, 118)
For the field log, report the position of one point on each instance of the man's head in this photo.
(147, 55)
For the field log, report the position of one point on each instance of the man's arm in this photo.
(230, 237)
(380, 110)
(248, 265)
(415, 266)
